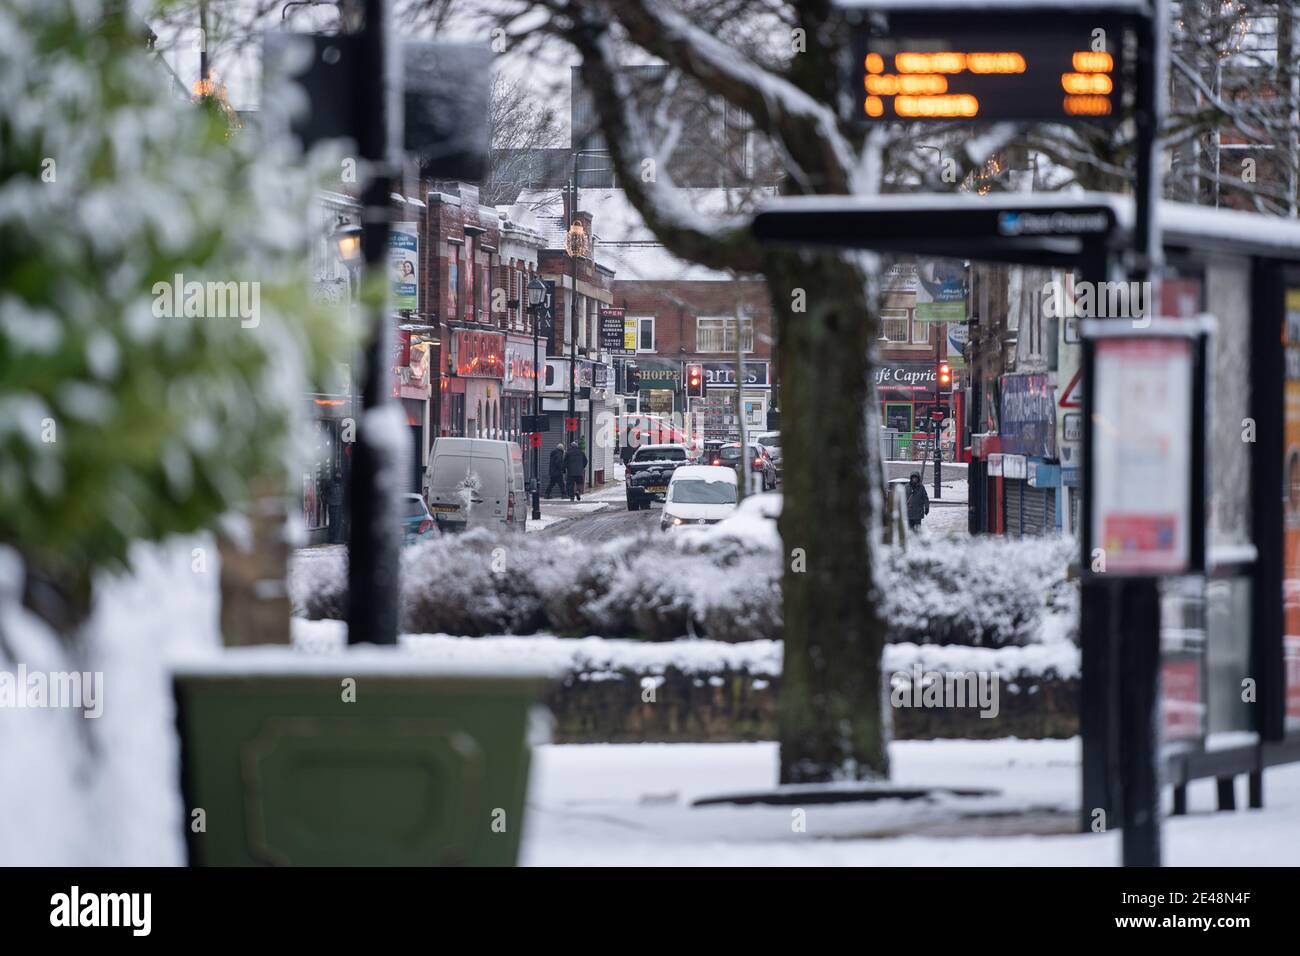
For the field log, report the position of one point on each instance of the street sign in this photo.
(532, 423)
(1059, 66)
(612, 338)
(535, 440)
(570, 424)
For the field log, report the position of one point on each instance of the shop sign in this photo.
(995, 465)
(907, 377)
(612, 330)
(1028, 424)
(1015, 466)
(723, 374)
(519, 369)
(477, 354)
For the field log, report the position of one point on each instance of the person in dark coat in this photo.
(335, 492)
(626, 454)
(575, 465)
(918, 502)
(556, 471)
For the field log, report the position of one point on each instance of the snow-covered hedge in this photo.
(989, 592)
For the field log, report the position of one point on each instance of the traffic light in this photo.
(694, 380)
(631, 378)
(945, 376)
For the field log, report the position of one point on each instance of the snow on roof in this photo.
(624, 242)
(704, 473)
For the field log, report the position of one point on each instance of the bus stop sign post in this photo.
(1144, 519)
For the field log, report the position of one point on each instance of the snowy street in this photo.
(629, 805)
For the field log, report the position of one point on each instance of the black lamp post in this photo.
(536, 306)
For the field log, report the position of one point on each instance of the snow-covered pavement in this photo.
(630, 805)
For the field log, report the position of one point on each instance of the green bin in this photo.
(412, 764)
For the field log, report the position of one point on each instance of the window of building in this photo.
(719, 335)
(645, 334)
(893, 325)
(453, 282)
(920, 331)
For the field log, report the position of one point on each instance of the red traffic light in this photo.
(945, 375)
(695, 381)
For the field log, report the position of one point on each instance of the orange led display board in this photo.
(932, 66)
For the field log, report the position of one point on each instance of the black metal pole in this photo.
(537, 413)
(1139, 676)
(372, 546)
(573, 302)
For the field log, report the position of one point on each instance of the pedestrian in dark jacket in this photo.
(576, 466)
(918, 502)
(335, 494)
(556, 471)
(626, 454)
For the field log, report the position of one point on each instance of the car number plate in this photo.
(657, 489)
(443, 509)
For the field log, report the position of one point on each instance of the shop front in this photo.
(661, 386)
(717, 411)
(906, 392)
(517, 386)
(472, 390)
(1029, 470)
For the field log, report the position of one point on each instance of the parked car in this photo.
(771, 443)
(759, 462)
(476, 482)
(649, 472)
(417, 522)
(699, 494)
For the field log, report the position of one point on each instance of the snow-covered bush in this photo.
(987, 591)
(123, 418)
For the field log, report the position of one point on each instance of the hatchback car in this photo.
(699, 494)
(760, 463)
(417, 522)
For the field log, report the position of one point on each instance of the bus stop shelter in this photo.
(1245, 269)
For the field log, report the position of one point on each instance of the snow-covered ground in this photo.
(630, 805)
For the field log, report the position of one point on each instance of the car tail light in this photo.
(758, 462)
(510, 507)
(425, 525)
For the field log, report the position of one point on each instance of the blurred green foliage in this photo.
(118, 421)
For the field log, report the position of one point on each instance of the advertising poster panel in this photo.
(1291, 507)
(1142, 437)
(404, 261)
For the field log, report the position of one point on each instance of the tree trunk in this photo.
(832, 725)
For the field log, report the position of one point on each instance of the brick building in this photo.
(683, 313)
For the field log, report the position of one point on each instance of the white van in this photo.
(699, 494)
(476, 482)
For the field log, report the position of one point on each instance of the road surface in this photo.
(613, 521)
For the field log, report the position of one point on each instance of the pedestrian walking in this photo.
(557, 471)
(575, 462)
(334, 495)
(918, 502)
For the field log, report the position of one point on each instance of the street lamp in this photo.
(348, 240)
(537, 307)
